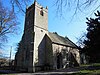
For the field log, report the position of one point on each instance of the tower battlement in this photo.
(39, 6)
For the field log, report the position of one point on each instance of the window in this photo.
(41, 13)
(41, 30)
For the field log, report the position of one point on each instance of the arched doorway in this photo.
(59, 60)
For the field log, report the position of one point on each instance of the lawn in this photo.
(89, 69)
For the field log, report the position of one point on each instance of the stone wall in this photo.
(70, 57)
(40, 30)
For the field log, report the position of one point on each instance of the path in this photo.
(54, 72)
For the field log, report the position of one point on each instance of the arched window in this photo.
(41, 13)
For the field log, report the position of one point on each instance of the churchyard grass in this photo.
(89, 69)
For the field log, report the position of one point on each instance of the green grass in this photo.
(87, 71)
(92, 64)
(90, 72)
(96, 64)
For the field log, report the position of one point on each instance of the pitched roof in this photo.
(55, 38)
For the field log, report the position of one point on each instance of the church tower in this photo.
(40, 29)
(37, 22)
(36, 26)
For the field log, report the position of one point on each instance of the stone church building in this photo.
(40, 49)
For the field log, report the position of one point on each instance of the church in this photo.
(40, 49)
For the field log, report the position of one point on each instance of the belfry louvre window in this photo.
(41, 13)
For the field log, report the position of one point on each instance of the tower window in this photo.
(41, 30)
(41, 13)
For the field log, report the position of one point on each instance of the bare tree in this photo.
(8, 22)
(77, 5)
(80, 42)
(61, 5)
(20, 4)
